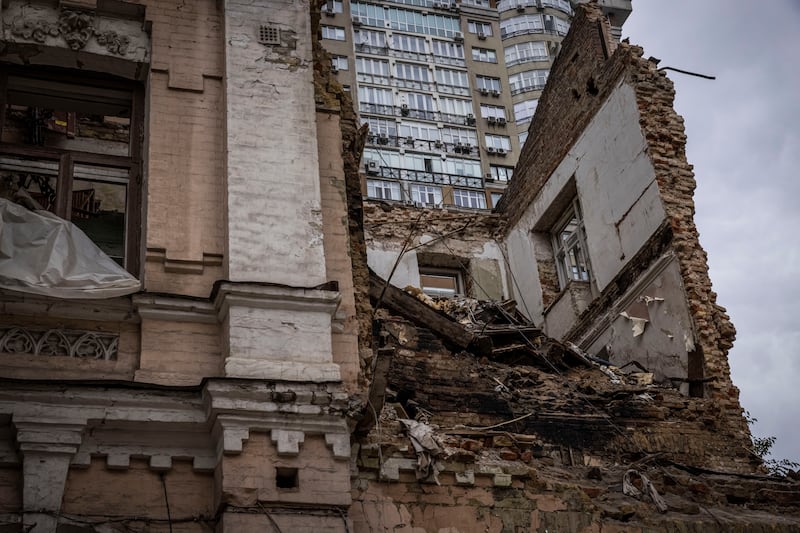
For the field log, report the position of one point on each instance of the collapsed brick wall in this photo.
(664, 130)
(330, 95)
(389, 222)
(583, 76)
(559, 469)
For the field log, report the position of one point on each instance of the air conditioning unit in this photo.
(496, 93)
(457, 148)
(466, 149)
(438, 145)
(501, 151)
(490, 149)
(484, 92)
(458, 37)
(334, 69)
(488, 177)
(357, 20)
(328, 12)
(383, 139)
(470, 120)
(371, 167)
(404, 110)
(501, 121)
(481, 36)
(492, 120)
(410, 140)
(520, 9)
(419, 204)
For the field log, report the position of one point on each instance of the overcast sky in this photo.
(744, 142)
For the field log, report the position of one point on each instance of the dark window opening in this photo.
(286, 478)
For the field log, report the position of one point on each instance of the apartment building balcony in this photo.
(421, 176)
(437, 146)
(386, 51)
(421, 114)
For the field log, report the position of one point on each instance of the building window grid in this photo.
(569, 246)
(508, 5)
(405, 20)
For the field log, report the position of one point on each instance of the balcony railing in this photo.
(423, 114)
(528, 59)
(421, 176)
(392, 141)
(527, 88)
(413, 56)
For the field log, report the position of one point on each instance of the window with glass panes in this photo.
(411, 71)
(484, 54)
(409, 43)
(383, 190)
(467, 198)
(501, 173)
(333, 32)
(524, 52)
(498, 142)
(369, 37)
(426, 194)
(479, 28)
(459, 135)
(523, 111)
(488, 83)
(530, 80)
(493, 111)
(569, 246)
(453, 78)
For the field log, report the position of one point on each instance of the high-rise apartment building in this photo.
(448, 89)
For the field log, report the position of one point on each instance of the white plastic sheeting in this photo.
(43, 254)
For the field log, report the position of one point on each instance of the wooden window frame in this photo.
(67, 159)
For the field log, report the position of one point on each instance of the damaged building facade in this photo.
(191, 338)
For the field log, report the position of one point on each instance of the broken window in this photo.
(569, 246)
(69, 145)
(440, 282)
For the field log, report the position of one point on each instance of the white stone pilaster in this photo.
(278, 333)
(47, 448)
(273, 193)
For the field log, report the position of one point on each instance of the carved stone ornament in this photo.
(75, 27)
(59, 343)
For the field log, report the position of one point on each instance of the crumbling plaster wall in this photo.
(588, 76)
(609, 171)
(466, 239)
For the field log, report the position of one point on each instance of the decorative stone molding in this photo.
(59, 343)
(287, 442)
(174, 309)
(75, 27)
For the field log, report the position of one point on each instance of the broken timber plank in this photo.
(410, 308)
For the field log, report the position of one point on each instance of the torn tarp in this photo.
(43, 254)
(422, 438)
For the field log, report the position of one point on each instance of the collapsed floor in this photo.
(505, 429)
